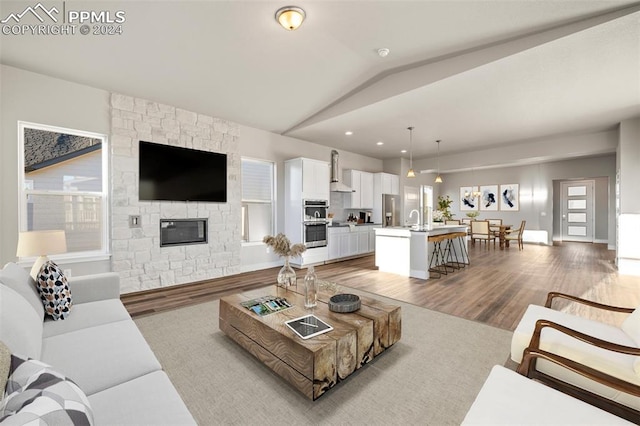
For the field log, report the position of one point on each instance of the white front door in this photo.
(577, 210)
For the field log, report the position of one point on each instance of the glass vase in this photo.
(286, 276)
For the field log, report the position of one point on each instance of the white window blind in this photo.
(257, 199)
(257, 180)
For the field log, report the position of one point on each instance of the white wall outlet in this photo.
(135, 221)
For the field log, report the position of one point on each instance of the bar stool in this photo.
(437, 255)
(462, 241)
(450, 253)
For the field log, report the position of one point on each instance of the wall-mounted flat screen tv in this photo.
(172, 173)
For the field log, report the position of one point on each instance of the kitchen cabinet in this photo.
(307, 179)
(390, 183)
(315, 179)
(362, 183)
(344, 242)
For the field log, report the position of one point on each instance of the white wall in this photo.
(37, 98)
(263, 145)
(628, 162)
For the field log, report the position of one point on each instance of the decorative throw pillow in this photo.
(54, 291)
(37, 394)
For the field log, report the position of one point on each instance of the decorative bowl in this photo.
(344, 303)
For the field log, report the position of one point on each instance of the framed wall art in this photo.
(468, 200)
(489, 198)
(510, 197)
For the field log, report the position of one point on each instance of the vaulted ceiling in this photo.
(474, 74)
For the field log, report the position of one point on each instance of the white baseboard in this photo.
(259, 266)
(535, 236)
(629, 267)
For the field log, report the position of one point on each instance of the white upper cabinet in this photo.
(390, 184)
(362, 183)
(308, 178)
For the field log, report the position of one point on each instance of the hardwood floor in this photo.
(495, 289)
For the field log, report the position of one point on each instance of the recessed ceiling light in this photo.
(404, 151)
(348, 133)
(379, 143)
(383, 52)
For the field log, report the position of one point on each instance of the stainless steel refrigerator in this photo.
(390, 210)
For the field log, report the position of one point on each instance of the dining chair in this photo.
(480, 231)
(516, 235)
(492, 225)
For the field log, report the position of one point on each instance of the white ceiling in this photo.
(472, 73)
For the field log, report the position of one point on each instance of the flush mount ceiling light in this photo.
(379, 143)
(438, 178)
(348, 133)
(290, 17)
(410, 173)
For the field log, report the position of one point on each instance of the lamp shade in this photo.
(41, 243)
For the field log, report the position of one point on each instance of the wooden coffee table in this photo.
(315, 365)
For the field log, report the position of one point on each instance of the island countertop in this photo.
(403, 231)
(406, 250)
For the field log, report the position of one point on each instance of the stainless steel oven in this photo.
(315, 234)
(315, 210)
(314, 225)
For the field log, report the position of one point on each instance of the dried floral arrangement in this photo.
(282, 246)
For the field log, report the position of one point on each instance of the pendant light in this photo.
(410, 173)
(438, 178)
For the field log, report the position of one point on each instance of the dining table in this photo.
(501, 230)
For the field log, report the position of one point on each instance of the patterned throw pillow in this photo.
(37, 394)
(54, 291)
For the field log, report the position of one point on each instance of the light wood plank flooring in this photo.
(495, 289)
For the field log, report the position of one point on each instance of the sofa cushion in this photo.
(5, 364)
(147, 400)
(54, 291)
(16, 278)
(37, 394)
(86, 315)
(631, 326)
(100, 357)
(20, 325)
(507, 398)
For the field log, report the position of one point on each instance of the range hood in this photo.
(336, 185)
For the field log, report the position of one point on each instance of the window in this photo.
(257, 199)
(64, 186)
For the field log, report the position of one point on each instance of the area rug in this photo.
(431, 376)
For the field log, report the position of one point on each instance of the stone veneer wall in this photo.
(136, 252)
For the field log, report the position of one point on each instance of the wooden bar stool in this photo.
(450, 253)
(462, 241)
(437, 255)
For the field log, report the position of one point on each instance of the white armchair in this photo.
(607, 358)
(508, 398)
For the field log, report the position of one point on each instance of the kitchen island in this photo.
(406, 251)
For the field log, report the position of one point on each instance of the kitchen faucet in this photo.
(418, 213)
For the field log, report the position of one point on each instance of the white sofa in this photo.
(98, 346)
(507, 398)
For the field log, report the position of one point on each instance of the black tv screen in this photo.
(173, 173)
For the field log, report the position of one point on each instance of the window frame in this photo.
(81, 256)
(273, 202)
